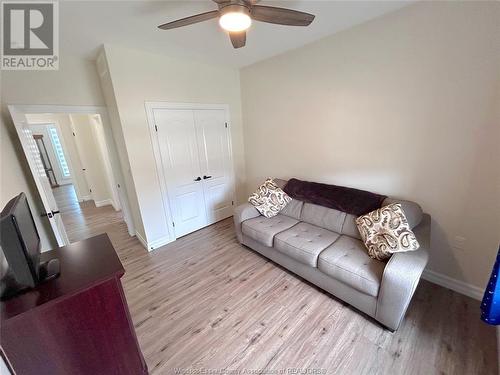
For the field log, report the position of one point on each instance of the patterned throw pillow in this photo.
(386, 231)
(269, 199)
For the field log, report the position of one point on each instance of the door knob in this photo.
(206, 177)
(50, 215)
(197, 179)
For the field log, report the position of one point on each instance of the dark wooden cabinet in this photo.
(78, 323)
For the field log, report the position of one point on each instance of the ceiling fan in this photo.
(235, 16)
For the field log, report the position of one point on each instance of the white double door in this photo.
(196, 161)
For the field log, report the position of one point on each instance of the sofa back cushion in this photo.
(412, 210)
(350, 228)
(281, 183)
(293, 209)
(324, 217)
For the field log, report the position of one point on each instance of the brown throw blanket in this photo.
(349, 200)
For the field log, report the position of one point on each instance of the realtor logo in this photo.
(30, 35)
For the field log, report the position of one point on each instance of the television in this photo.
(20, 250)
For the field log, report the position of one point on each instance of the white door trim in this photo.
(150, 106)
(74, 109)
(48, 201)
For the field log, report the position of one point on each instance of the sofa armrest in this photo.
(400, 278)
(243, 212)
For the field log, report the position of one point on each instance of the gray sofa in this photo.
(323, 246)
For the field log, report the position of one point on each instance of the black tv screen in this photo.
(20, 241)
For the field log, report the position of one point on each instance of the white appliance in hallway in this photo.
(195, 152)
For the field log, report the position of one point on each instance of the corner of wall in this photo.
(109, 93)
(153, 245)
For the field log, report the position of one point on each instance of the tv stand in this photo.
(77, 323)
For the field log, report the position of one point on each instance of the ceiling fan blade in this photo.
(281, 16)
(238, 38)
(251, 2)
(190, 20)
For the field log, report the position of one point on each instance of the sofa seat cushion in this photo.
(304, 242)
(346, 260)
(264, 229)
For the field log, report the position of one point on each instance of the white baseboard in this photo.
(152, 245)
(130, 226)
(453, 284)
(159, 243)
(104, 202)
(115, 206)
(85, 198)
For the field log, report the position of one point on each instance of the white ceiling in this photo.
(86, 25)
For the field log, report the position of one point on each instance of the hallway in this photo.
(84, 220)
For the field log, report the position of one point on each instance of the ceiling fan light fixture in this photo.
(235, 18)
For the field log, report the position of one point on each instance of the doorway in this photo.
(72, 157)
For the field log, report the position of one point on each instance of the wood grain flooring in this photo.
(206, 304)
(83, 220)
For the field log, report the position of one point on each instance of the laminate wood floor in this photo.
(206, 304)
(83, 220)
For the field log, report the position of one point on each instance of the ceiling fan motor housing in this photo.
(235, 8)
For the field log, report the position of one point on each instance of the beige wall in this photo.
(75, 83)
(138, 77)
(132, 214)
(402, 105)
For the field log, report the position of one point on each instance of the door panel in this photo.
(215, 160)
(180, 161)
(41, 181)
(188, 210)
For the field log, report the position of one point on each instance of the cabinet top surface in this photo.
(83, 265)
